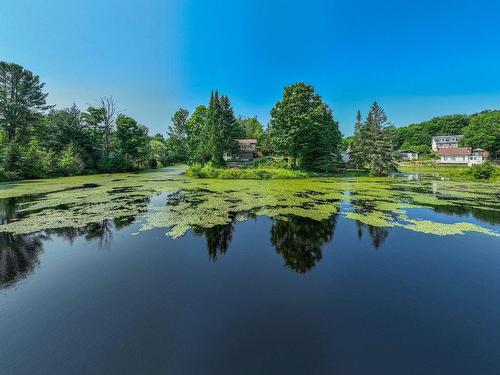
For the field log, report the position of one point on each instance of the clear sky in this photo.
(418, 59)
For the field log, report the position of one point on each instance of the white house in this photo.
(445, 141)
(408, 155)
(462, 155)
(344, 156)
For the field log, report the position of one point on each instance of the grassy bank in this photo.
(257, 173)
(487, 171)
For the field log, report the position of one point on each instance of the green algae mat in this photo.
(166, 199)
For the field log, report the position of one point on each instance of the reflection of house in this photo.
(408, 155)
(462, 155)
(445, 141)
(246, 152)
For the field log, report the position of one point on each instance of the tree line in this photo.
(302, 130)
(38, 141)
(480, 130)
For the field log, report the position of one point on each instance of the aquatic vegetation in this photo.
(187, 203)
(431, 227)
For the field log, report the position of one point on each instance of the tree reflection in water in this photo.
(300, 240)
(378, 234)
(218, 238)
(19, 254)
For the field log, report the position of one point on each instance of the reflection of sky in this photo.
(162, 305)
(451, 218)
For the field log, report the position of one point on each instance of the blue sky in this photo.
(418, 59)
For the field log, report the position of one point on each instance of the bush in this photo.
(8, 175)
(13, 157)
(33, 162)
(70, 163)
(483, 171)
(259, 173)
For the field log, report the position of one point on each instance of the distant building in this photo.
(408, 155)
(344, 156)
(445, 141)
(247, 151)
(462, 155)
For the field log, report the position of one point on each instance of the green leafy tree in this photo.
(251, 128)
(22, 99)
(178, 136)
(484, 132)
(197, 142)
(158, 155)
(131, 141)
(302, 128)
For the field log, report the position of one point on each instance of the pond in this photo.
(160, 273)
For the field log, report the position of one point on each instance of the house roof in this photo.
(246, 141)
(454, 151)
(447, 136)
(407, 151)
(481, 151)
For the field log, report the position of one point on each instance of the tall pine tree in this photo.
(356, 150)
(376, 145)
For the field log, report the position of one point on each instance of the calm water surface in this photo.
(264, 295)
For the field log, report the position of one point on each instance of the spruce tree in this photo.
(376, 145)
(356, 150)
(215, 144)
(229, 126)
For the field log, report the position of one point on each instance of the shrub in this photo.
(33, 162)
(70, 163)
(483, 171)
(13, 157)
(8, 175)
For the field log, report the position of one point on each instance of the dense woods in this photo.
(38, 141)
(302, 130)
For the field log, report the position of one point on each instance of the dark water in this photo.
(260, 296)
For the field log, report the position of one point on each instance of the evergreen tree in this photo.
(22, 99)
(13, 157)
(376, 144)
(215, 143)
(220, 129)
(356, 150)
(229, 127)
(33, 162)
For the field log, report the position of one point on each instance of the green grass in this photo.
(257, 173)
(456, 172)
